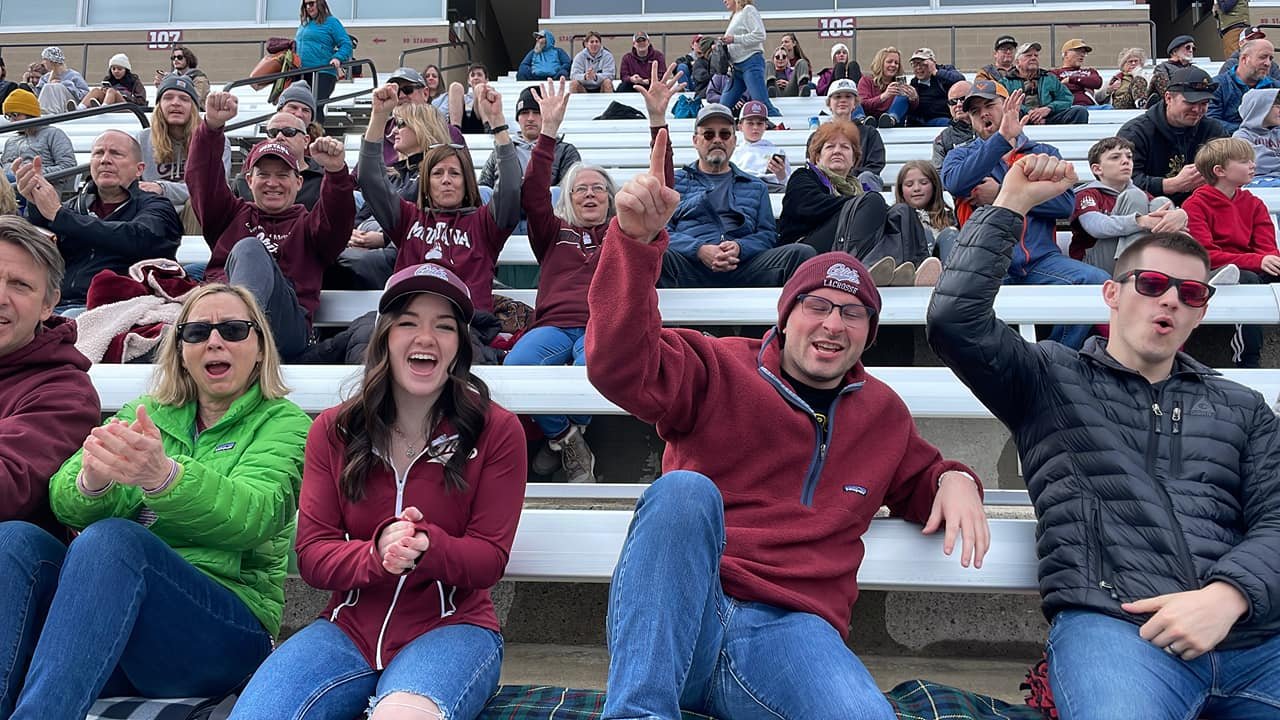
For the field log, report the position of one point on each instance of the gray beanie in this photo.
(299, 92)
(174, 81)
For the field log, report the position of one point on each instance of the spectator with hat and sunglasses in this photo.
(1046, 101)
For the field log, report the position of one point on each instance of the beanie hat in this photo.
(119, 60)
(299, 92)
(53, 54)
(838, 271)
(22, 101)
(527, 101)
(174, 81)
(837, 48)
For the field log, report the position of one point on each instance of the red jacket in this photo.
(303, 242)
(1234, 230)
(566, 254)
(470, 533)
(48, 405)
(796, 504)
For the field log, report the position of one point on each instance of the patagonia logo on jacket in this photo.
(224, 447)
(855, 489)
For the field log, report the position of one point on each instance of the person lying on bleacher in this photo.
(120, 85)
(272, 246)
(1046, 101)
(826, 208)
(1127, 89)
(843, 102)
(110, 224)
(289, 130)
(1112, 212)
(1235, 227)
(770, 538)
(1236, 78)
(1260, 127)
(1181, 52)
(983, 164)
(1155, 481)
(958, 131)
(184, 502)
(1080, 80)
(757, 155)
(1167, 136)
(447, 222)
(48, 404)
(593, 68)
(48, 142)
(1001, 60)
(411, 495)
(165, 144)
(930, 82)
(60, 88)
(545, 60)
(565, 237)
(529, 122)
(885, 94)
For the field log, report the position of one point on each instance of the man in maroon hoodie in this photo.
(740, 565)
(636, 71)
(272, 246)
(47, 402)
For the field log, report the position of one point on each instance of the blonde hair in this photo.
(1131, 52)
(877, 65)
(1218, 152)
(171, 384)
(8, 200)
(426, 123)
(163, 149)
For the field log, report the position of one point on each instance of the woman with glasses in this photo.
(826, 208)
(566, 241)
(446, 222)
(321, 40)
(410, 500)
(184, 506)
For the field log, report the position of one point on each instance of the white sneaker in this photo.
(1228, 274)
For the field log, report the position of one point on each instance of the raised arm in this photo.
(657, 98)
(371, 172)
(535, 192)
(505, 204)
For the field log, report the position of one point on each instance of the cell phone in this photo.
(900, 79)
(106, 84)
(780, 157)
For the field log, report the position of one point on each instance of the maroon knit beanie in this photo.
(836, 270)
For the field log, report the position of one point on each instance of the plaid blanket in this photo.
(912, 700)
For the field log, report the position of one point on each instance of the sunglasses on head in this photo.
(723, 134)
(1153, 283)
(455, 146)
(228, 330)
(285, 131)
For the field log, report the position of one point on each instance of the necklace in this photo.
(410, 446)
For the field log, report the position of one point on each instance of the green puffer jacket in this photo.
(231, 512)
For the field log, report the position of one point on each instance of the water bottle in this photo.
(814, 122)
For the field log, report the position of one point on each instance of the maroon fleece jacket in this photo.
(303, 242)
(470, 534)
(1234, 229)
(797, 503)
(48, 405)
(566, 254)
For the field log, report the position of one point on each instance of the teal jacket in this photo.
(1050, 91)
(231, 511)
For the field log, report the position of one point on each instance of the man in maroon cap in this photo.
(738, 562)
(272, 246)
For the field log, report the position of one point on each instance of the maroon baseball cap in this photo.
(836, 270)
(428, 278)
(756, 109)
(277, 149)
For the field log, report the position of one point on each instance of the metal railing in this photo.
(121, 45)
(298, 72)
(137, 110)
(439, 48)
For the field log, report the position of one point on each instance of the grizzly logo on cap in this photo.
(842, 277)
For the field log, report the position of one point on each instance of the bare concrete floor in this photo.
(587, 667)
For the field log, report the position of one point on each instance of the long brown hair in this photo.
(163, 148)
(364, 421)
(436, 155)
(322, 12)
(940, 215)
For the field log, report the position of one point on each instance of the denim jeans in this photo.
(552, 346)
(252, 267)
(1099, 669)
(898, 108)
(1058, 269)
(125, 616)
(677, 641)
(748, 78)
(771, 268)
(318, 673)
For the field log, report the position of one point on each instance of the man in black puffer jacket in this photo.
(1156, 482)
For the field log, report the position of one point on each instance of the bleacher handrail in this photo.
(440, 48)
(117, 45)
(138, 111)
(298, 72)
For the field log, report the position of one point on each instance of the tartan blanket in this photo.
(911, 700)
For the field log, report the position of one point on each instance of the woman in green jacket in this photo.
(185, 503)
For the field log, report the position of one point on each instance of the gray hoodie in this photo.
(1254, 107)
(171, 177)
(603, 65)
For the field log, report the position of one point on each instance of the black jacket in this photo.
(956, 133)
(1160, 151)
(1139, 489)
(145, 226)
(807, 204)
(872, 147)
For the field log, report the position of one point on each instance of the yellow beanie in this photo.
(22, 101)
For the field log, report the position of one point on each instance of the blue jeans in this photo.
(250, 266)
(1099, 668)
(125, 616)
(1058, 269)
(677, 641)
(937, 122)
(552, 346)
(318, 673)
(898, 108)
(748, 78)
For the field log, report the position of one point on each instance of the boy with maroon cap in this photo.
(754, 560)
(275, 248)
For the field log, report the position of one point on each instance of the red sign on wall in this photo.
(163, 39)
(837, 27)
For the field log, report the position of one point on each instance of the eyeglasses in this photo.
(853, 314)
(285, 131)
(954, 102)
(399, 122)
(1154, 283)
(406, 89)
(593, 189)
(11, 117)
(229, 330)
(709, 134)
(179, 56)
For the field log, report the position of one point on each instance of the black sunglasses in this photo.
(406, 89)
(399, 122)
(955, 101)
(228, 330)
(179, 56)
(710, 134)
(1154, 283)
(285, 131)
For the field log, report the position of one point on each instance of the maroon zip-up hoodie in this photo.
(48, 405)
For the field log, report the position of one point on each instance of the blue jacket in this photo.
(696, 221)
(318, 43)
(1224, 106)
(552, 62)
(967, 165)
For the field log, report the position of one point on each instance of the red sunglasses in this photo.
(1154, 283)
